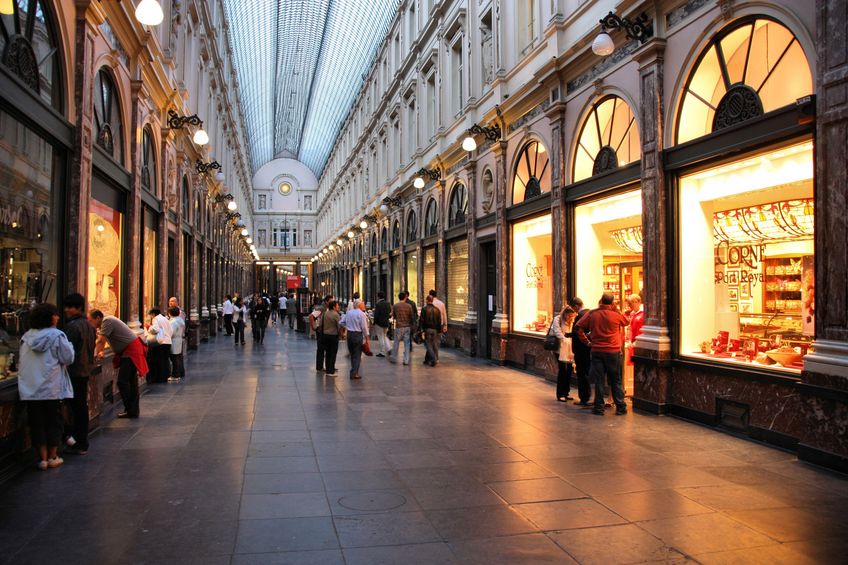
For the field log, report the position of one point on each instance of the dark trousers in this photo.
(79, 410)
(354, 348)
(563, 378)
(177, 367)
(431, 343)
(239, 327)
(128, 386)
(45, 422)
(291, 316)
(157, 362)
(607, 365)
(228, 323)
(584, 386)
(320, 353)
(258, 326)
(331, 349)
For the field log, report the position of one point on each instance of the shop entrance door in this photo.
(630, 284)
(487, 296)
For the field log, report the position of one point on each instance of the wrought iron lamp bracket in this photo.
(639, 28)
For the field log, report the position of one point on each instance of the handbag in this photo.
(366, 347)
(551, 341)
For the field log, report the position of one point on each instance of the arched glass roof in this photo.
(300, 65)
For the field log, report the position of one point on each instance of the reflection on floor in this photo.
(255, 458)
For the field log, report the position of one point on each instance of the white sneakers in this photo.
(50, 464)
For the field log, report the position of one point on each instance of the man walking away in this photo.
(382, 316)
(403, 314)
(442, 310)
(582, 356)
(356, 323)
(604, 325)
(282, 305)
(329, 326)
(239, 314)
(82, 337)
(129, 357)
(431, 324)
(291, 310)
(228, 314)
(177, 340)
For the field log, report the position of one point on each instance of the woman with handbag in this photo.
(561, 329)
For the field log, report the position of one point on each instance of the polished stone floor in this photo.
(257, 459)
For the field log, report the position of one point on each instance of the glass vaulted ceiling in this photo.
(300, 65)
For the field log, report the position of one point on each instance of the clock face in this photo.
(285, 188)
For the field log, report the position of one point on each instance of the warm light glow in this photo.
(219, 176)
(99, 227)
(384, 209)
(350, 234)
(7, 7)
(148, 12)
(469, 144)
(232, 206)
(609, 127)
(249, 240)
(363, 224)
(603, 45)
(532, 275)
(244, 232)
(201, 137)
(339, 242)
(417, 183)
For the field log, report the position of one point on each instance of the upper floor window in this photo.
(148, 161)
(263, 202)
(396, 235)
(609, 139)
(749, 68)
(526, 25)
(431, 219)
(458, 209)
(185, 199)
(107, 116)
(384, 240)
(374, 244)
(29, 47)
(532, 173)
(411, 227)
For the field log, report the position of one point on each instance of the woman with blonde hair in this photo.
(562, 327)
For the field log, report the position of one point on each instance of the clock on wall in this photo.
(285, 189)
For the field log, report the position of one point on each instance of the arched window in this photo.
(532, 173)
(458, 205)
(185, 199)
(749, 68)
(431, 219)
(197, 216)
(148, 161)
(384, 239)
(411, 227)
(396, 235)
(30, 50)
(107, 116)
(608, 140)
(373, 244)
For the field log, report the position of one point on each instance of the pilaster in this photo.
(473, 266)
(500, 324)
(556, 115)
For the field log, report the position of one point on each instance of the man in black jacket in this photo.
(582, 353)
(82, 336)
(260, 311)
(430, 322)
(382, 314)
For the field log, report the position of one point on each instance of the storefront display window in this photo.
(396, 272)
(148, 271)
(412, 274)
(28, 234)
(608, 236)
(609, 139)
(747, 277)
(429, 280)
(750, 68)
(532, 173)
(457, 291)
(104, 258)
(532, 275)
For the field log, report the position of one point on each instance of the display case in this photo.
(782, 283)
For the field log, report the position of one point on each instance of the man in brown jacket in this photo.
(403, 315)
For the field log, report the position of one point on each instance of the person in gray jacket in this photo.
(43, 381)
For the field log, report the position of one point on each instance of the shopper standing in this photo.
(228, 314)
(291, 310)
(582, 356)
(637, 320)
(382, 319)
(159, 345)
(604, 325)
(356, 323)
(177, 345)
(403, 314)
(329, 336)
(431, 324)
(441, 306)
(43, 381)
(259, 314)
(239, 316)
(174, 303)
(129, 357)
(82, 337)
(562, 328)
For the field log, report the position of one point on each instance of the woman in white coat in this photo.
(43, 381)
(562, 327)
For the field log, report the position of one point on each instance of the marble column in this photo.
(135, 211)
(556, 115)
(470, 321)
(419, 205)
(500, 324)
(441, 249)
(653, 347)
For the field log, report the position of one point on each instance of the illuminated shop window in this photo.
(148, 270)
(532, 173)
(412, 274)
(532, 275)
(104, 258)
(750, 68)
(396, 272)
(609, 139)
(457, 291)
(747, 277)
(429, 280)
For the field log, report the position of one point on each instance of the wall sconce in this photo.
(492, 133)
(175, 121)
(232, 216)
(639, 28)
(390, 202)
(204, 168)
(419, 182)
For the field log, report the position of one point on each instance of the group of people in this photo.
(402, 319)
(591, 343)
(259, 309)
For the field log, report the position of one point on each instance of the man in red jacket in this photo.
(604, 325)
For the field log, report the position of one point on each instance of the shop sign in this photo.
(739, 255)
(534, 276)
(292, 281)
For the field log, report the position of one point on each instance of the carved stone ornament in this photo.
(534, 188)
(19, 57)
(739, 104)
(605, 160)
